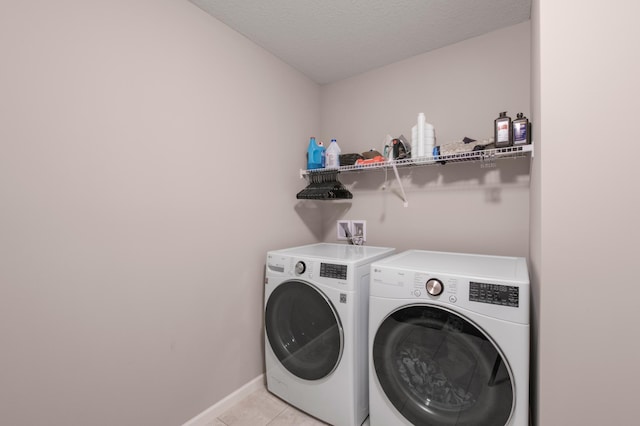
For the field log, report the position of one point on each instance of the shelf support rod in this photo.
(405, 202)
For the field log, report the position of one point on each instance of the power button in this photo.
(416, 293)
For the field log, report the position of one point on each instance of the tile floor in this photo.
(264, 409)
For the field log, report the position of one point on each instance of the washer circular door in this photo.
(304, 330)
(438, 368)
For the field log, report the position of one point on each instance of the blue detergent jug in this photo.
(315, 155)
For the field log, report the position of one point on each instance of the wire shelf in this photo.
(487, 157)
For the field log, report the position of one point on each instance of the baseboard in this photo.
(210, 414)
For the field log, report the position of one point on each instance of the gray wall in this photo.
(148, 160)
(461, 89)
(586, 206)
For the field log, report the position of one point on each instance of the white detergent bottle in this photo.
(414, 141)
(332, 155)
(429, 139)
(420, 135)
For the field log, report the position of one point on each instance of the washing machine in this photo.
(316, 308)
(449, 340)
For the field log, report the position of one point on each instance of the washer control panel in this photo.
(331, 270)
(494, 294)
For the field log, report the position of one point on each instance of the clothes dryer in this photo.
(316, 308)
(449, 340)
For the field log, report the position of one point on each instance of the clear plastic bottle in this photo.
(332, 155)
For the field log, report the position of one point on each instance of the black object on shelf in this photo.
(349, 159)
(324, 185)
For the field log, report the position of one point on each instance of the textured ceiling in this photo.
(329, 40)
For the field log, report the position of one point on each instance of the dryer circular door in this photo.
(438, 368)
(303, 330)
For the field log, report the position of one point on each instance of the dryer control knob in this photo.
(434, 287)
(300, 268)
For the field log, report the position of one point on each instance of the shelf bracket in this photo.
(405, 202)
